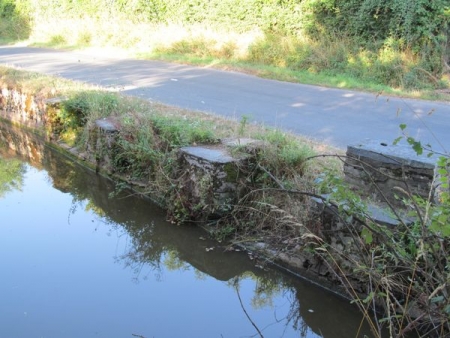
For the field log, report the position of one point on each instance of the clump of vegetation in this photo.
(146, 147)
(14, 21)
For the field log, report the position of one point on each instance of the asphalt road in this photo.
(336, 117)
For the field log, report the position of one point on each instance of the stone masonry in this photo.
(385, 172)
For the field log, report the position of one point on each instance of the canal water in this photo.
(78, 260)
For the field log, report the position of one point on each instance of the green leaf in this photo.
(442, 171)
(447, 309)
(416, 145)
(366, 234)
(369, 297)
(437, 299)
(397, 140)
(402, 126)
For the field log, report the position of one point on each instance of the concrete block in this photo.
(387, 172)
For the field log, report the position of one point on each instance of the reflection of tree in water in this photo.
(265, 290)
(11, 175)
(295, 318)
(267, 286)
(154, 243)
(144, 256)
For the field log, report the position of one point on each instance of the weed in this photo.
(242, 126)
(57, 40)
(176, 132)
(84, 38)
(284, 155)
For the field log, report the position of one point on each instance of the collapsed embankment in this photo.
(264, 190)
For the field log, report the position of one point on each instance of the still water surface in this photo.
(78, 263)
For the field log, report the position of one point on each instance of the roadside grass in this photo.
(39, 84)
(339, 62)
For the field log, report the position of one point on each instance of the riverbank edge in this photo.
(28, 111)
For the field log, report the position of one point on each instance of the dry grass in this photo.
(136, 38)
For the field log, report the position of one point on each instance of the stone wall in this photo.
(383, 172)
(22, 108)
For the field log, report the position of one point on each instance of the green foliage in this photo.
(242, 125)
(137, 154)
(404, 20)
(241, 15)
(284, 156)
(57, 40)
(14, 21)
(399, 43)
(7, 9)
(83, 105)
(421, 25)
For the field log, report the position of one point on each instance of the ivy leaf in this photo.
(416, 145)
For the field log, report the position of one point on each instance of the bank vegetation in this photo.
(399, 46)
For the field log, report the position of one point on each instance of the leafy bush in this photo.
(423, 26)
(405, 42)
(14, 20)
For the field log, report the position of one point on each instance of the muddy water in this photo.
(78, 262)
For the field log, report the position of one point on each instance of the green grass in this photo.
(365, 75)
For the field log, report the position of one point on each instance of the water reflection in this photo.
(59, 280)
(11, 175)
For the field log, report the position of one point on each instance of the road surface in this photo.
(333, 116)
